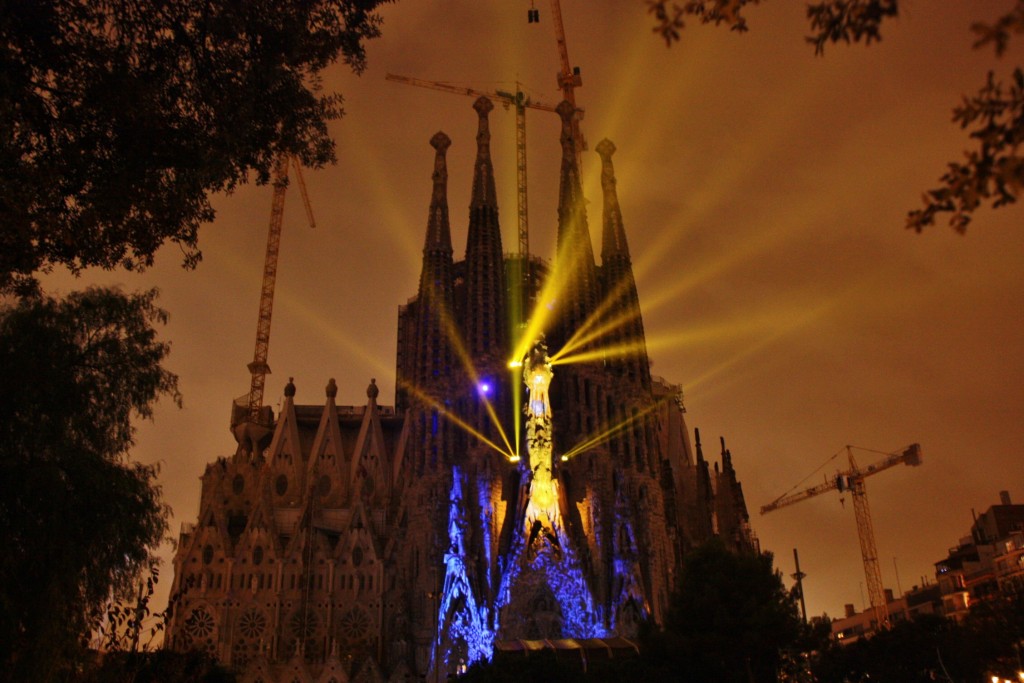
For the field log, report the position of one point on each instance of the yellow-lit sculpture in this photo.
(542, 505)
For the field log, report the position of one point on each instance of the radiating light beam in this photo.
(548, 299)
(517, 406)
(628, 348)
(604, 329)
(448, 415)
(603, 436)
(583, 335)
(781, 329)
(454, 336)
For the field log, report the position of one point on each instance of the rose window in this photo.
(354, 626)
(199, 624)
(303, 625)
(253, 624)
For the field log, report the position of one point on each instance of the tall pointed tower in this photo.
(433, 364)
(624, 326)
(486, 325)
(621, 303)
(574, 258)
(578, 398)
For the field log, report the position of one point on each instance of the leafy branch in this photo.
(670, 17)
(995, 170)
(848, 21)
(994, 117)
(831, 21)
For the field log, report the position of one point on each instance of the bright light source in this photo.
(484, 388)
(515, 363)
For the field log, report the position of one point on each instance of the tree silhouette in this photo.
(118, 119)
(78, 520)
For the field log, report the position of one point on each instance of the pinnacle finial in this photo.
(289, 389)
(332, 388)
(483, 106)
(372, 391)
(605, 148)
(440, 142)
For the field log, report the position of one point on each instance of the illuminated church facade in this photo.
(532, 481)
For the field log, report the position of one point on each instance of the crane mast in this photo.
(852, 480)
(258, 368)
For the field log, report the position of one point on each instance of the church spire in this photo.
(431, 346)
(575, 253)
(483, 171)
(613, 244)
(623, 311)
(439, 236)
(704, 497)
(436, 291)
(485, 325)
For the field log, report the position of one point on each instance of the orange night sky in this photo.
(764, 193)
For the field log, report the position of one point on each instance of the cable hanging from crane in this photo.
(813, 472)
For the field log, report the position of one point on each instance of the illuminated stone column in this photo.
(542, 505)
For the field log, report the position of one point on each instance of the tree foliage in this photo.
(994, 171)
(120, 117)
(994, 117)
(731, 619)
(78, 520)
(931, 648)
(831, 21)
(159, 666)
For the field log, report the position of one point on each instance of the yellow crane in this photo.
(852, 480)
(258, 367)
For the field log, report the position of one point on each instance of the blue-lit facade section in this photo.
(548, 572)
(463, 636)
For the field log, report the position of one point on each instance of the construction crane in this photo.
(258, 367)
(521, 102)
(852, 480)
(568, 77)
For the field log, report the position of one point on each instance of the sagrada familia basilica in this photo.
(532, 481)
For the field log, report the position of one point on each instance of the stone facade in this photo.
(371, 543)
